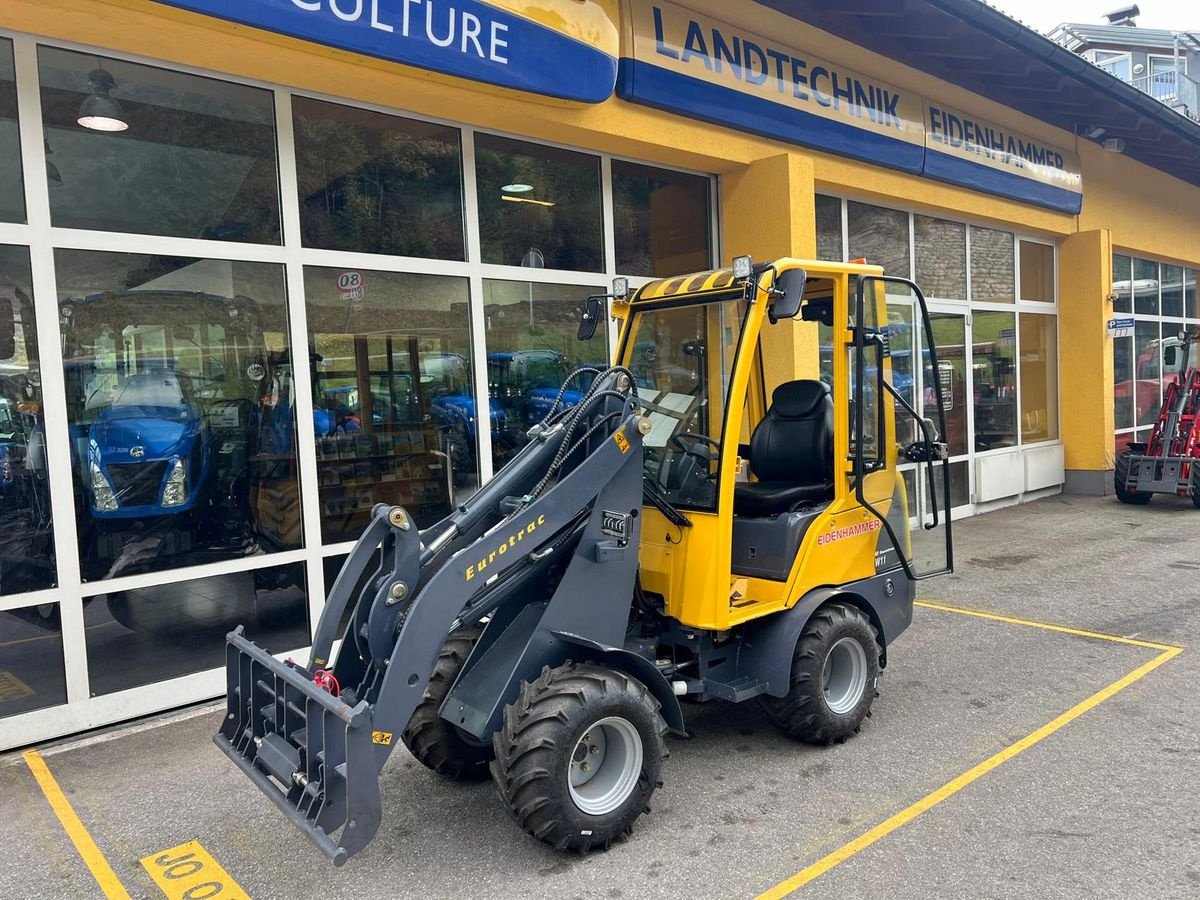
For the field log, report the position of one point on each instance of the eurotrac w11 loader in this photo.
(685, 530)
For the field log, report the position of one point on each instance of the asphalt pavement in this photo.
(1002, 760)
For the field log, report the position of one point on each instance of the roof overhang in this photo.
(970, 44)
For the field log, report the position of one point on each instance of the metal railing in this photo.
(1173, 88)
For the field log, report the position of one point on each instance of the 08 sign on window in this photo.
(352, 286)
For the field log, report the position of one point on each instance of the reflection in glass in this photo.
(993, 364)
(662, 220)
(960, 487)
(532, 346)
(1037, 271)
(1145, 287)
(949, 335)
(941, 257)
(31, 659)
(140, 636)
(1147, 385)
(538, 205)
(180, 408)
(375, 183)
(1039, 378)
(26, 537)
(197, 159)
(12, 187)
(1123, 382)
(904, 377)
(993, 274)
(1191, 307)
(1122, 283)
(393, 399)
(880, 236)
(829, 228)
(1172, 291)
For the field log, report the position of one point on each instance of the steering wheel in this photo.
(693, 451)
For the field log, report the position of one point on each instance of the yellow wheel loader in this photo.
(690, 528)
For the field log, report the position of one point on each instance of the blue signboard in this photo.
(558, 48)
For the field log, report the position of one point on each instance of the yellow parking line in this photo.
(188, 872)
(883, 829)
(1062, 629)
(92, 857)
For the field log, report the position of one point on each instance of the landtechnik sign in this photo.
(687, 63)
(559, 48)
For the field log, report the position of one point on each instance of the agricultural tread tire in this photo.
(436, 743)
(1121, 475)
(803, 714)
(1194, 479)
(534, 747)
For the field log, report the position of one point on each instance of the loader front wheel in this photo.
(579, 755)
(435, 742)
(1120, 477)
(1195, 482)
(834, 674)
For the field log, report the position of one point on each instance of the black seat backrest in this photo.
(794, 441)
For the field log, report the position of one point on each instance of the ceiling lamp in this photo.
(99, 111)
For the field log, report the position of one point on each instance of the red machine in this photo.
(1170, 461)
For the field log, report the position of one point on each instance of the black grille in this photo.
(137, 484)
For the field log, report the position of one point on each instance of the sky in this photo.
(1175, 15)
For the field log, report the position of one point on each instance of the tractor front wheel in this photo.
(579, 755)
(436, 743)
(834, 674)
(1121, 478)
(1194, 480)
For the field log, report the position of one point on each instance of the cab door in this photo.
(901, 473)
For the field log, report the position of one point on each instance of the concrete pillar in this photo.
(768, 211)
(1085, 361)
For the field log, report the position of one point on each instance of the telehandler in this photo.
(687, 529)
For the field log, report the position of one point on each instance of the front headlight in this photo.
(103, 497)
(175, 493)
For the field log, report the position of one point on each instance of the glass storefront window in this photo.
(538, 206)
(662, 221)
(1145, 287)
(993, 274)
(993, 364)
(950, 338)
(31, 659)
(26, 536)
(941, 257)
(180, 408)
(145, 635)
(375, 183)
(1123, 382)
(1147, 380)
(151, 151)
(880, 236)
(532, 346)
(1039, 378)
(1122, 283)
(829, 228)
(1172, 291)
(393, 399)
(1037, 271)
(12, 187)
(1191, 307)
(960, 486)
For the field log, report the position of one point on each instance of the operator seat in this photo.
(791, 452)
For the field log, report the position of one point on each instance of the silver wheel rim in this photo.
(844, 676)
(605, 766)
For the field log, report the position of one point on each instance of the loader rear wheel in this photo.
(579, 755)
(834, 674)
(435, 742)
(1195, 482)
(1120, 478)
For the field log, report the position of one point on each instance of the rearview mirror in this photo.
(788, 293)
(8, 329)
(593, 309)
